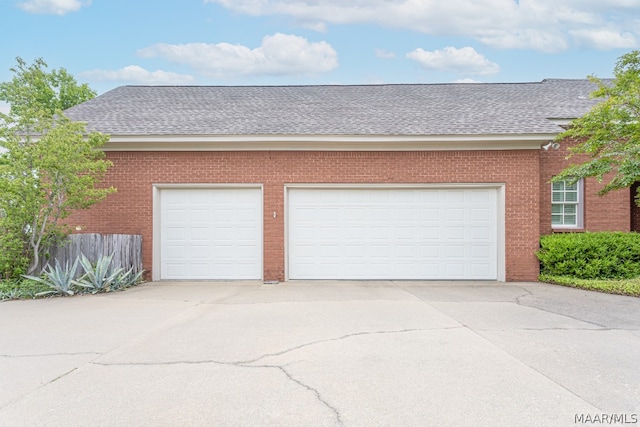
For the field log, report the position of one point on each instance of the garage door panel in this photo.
(196, 233)
(175, 251)
(199, 252)
(454, 233)
(481, 251)
(404, 233)
(454, 251)
(455, 215)
(392, 233)
(430, 233)
(200, 268)
(329, 234)
(480, 214)
(480, 196)
(479, 269)
(480, 233)
(197, 215)
(455, 270)
(176, 268)
(211, 233)
(454, 196)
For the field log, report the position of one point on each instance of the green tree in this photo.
(609, 134)
(33, 92)
(49, 165)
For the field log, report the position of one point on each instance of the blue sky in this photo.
(108, 43)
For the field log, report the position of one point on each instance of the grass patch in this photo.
(629, 287)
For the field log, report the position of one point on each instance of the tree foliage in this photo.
(33, 92)
(50, 166)
(610, 133)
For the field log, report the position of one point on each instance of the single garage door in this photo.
(211, 233)
(393, 233)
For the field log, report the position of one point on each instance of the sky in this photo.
(109, 43)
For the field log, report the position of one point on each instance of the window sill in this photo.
(568, 230)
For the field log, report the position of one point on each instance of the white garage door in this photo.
(404, 233)
(211, 233)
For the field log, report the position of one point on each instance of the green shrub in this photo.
(21, 289)
(603, 255)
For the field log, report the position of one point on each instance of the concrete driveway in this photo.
(322, 354)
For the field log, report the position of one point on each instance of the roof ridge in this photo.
(345, 85)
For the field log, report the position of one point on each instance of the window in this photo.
(566, 205)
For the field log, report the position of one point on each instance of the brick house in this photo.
(432, 182)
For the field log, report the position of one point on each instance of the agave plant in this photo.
(60, 280)
(126, 279)
(100, 277)
(14, 293)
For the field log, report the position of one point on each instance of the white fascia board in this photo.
(327, 142)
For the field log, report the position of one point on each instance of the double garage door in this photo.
(334, 233)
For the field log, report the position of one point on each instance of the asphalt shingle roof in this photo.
(399, 109)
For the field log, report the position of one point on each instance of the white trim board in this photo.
(327, 142)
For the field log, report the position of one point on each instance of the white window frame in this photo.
(578, 206)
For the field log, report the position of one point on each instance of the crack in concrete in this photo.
(251, 363)
(234, 364)
(343, 337)
(62, 376)
(248, 363)
(308, 387)
(525, 290)
(19, 356)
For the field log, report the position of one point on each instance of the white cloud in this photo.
(385, 54)
(138, 75)
(53, 7)
(465, 81)
(543, 25)
(606, 39)
(462, 61)
(4, 107)
(279, 54)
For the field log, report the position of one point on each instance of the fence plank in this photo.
(126, 250)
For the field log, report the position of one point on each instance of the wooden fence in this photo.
(126, 250)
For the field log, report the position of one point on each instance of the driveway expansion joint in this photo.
(601, 329)
(522, 304)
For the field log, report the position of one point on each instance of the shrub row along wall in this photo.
(126, 250)
(604, 255)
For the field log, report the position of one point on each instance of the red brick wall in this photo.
(130, 210)
(601, 213)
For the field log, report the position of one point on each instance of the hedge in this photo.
(602, 255)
